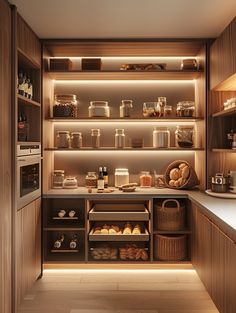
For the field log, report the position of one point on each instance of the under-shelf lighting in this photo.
(121, 152)
(123, 123)
(118, 81)
(128, 57)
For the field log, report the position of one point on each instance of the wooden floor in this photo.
(118, 291)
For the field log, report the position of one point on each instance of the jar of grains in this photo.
(76, 140)
(57, 178)
(63, 139)
(91, 180)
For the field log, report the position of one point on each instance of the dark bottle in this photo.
(20, 86)
(230, 137)
(100, 181)
(21, 129)
(26, 128)
(59, 241)
(74, 242)
(105, 176)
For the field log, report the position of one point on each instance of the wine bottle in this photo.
(100, 182)
(73, 242)
(105, 176)
(20, 83)
(59, 241)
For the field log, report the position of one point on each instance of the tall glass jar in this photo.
(126, 108)
(121, 176)
(58, 177)
(95, 138)
(184, 136)
(63, 139)
(120, 138)
(161, 137)
(76, 140)
(91, 180)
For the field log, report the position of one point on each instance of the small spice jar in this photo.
(91, 180)
(76, 140)
(126, 108)
(95, 138)
(120, 138)
(58, 177)
(63, 139)
(145, 179)
(184, 136)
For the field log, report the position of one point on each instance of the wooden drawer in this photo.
(100, 237)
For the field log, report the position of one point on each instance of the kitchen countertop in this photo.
(222, 211)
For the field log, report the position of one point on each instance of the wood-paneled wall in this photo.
(28, 42)
(5, 158)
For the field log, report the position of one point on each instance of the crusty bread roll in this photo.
(104, 231)
(175, 174)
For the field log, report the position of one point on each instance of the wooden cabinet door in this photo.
(201, 247)
(5, 159)
(38, 248)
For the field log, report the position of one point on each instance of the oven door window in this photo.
(29, 179)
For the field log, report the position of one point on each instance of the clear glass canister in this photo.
(126, 108)
(185, 109)
(151, 109)
(76, 140)
(145, 179)
(99, 109)
(168, 111)
(58, 177)
(91, 180)
(162, 102)
(65, 106)
(120, 138)
(184, 136)
(161, 137)
(63, 139)
(95, 138)
(121, 176)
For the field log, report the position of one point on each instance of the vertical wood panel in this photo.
(38, 258)
(5, 160)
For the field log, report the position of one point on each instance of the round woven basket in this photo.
(170, 248)
(191, 181)
(169, 215)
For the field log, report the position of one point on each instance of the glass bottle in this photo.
(95, 138)
(145, 179)
(120, 138)
(126, 108)
(100, 182)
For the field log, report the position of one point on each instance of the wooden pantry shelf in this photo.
(26, 101)
(123, 149)
(228, 112)
(102, 237)
(223, 150)
(126, 120)
(67, 228)
(64, 251)
(125, 75)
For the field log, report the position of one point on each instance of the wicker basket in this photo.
(191, 181)
(170, 215)
(170, 248)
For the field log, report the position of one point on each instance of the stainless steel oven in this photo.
(28, 179)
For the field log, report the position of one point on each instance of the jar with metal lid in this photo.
(76, 140)
(95, 138)
(168, 111)
(120, 138)
(184, 136)
(126, 108)
(91, 180)
(121, 176)
(145, 179)
(65, 106)
(161, 137)
(99, 109)
(58, 177)
(63, 139)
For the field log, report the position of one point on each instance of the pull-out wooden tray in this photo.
(100, 237)
(119, 212)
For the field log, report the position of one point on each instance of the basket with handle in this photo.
(191, 181)
(170, 248)
(169, 217)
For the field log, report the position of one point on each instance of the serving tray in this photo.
(225, 195)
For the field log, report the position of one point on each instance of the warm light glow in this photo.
(118, 81)
(108, 153)
(97, 270)
(126, 123)
(130, 57)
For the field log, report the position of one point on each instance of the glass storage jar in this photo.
(121, 176)
(145, 179)
(99, 109)
(184, 136)
(95, 138)
(162, 102)
(91, 180)
(126, 108)
(58, 177)
(152, 109)
(185, 109)
(161, 137)
(168, 111)
(120, 138)
(63, 139)
(70, 182)
(76, 140)
(65, 106)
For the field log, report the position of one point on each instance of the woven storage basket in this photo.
(168, 217)
(191, 181)
(170, 248)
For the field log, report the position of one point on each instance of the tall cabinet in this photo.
(5, 160)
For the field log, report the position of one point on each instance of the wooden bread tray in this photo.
(100, 237)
